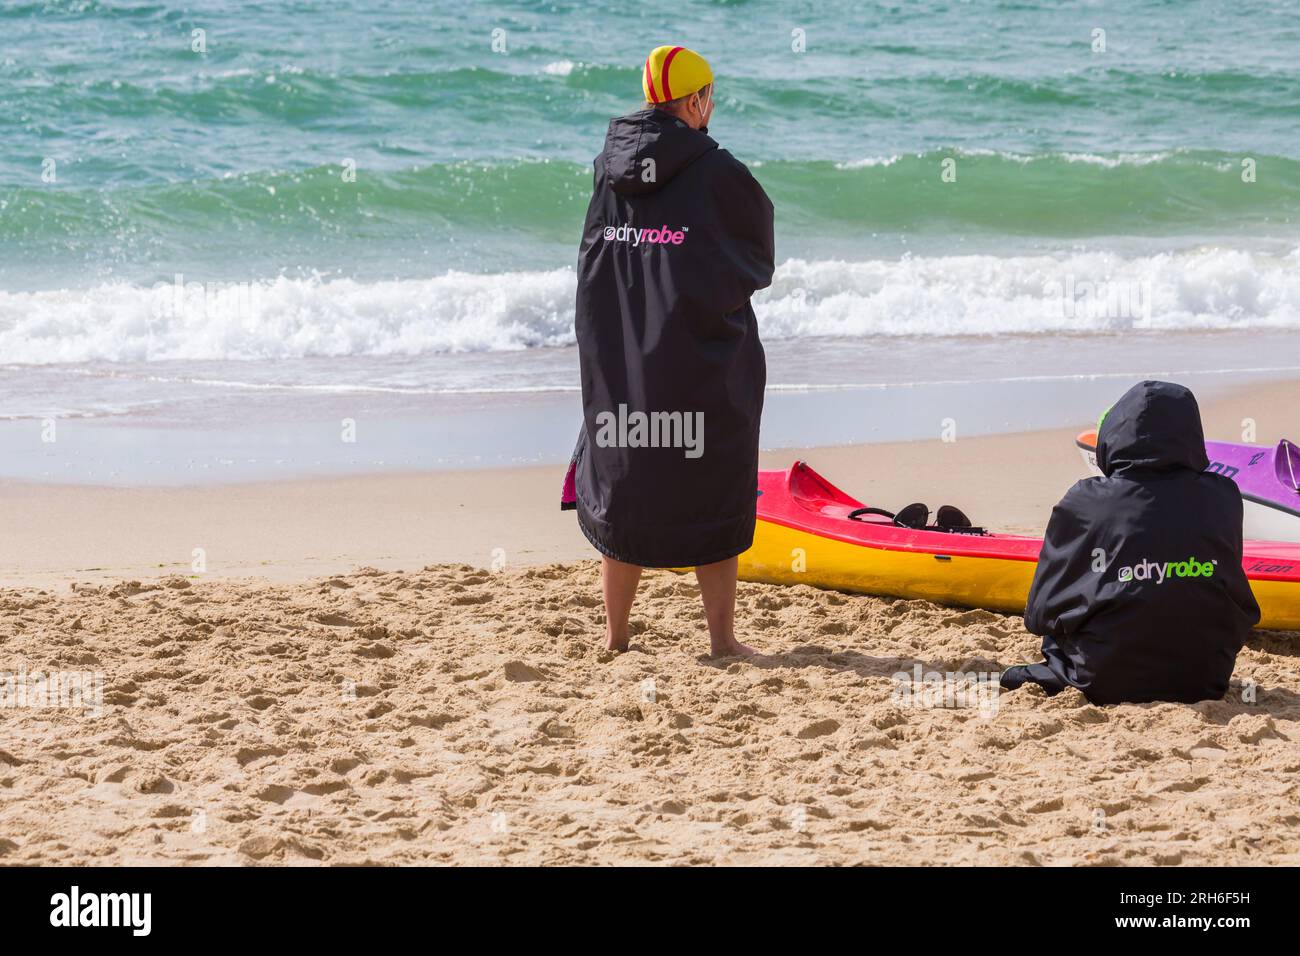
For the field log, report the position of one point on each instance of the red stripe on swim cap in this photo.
(650, 82)
(663, 74)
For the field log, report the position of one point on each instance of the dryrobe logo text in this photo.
(75, 908)
(1158, 571)
(664, 236)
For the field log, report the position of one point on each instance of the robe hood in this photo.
(1154, 427)
(651, 135)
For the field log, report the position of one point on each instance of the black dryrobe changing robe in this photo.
(1139, 593)
(678, 236)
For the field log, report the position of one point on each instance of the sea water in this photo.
(228, 229)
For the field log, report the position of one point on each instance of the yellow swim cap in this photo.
(672, 72)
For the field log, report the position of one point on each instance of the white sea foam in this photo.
(460, 312)
(1111, 162)
(289, 318)
(868, 161)
(988, 295)
(1091, 159)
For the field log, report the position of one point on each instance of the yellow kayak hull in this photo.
(782, 555)
(804, 535)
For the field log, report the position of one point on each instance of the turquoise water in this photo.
(134, 166)
(230, 162)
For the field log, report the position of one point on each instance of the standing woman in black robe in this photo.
(678, 236)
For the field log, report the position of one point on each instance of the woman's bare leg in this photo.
(619, 582)
(718, 591)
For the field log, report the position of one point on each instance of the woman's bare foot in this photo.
(732, 649)
(718, 591)
(619, 581)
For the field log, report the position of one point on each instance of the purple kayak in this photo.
(1269, 479)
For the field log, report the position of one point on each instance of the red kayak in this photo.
(805, 535)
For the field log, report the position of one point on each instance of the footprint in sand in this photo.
(153, 783)
(971, 617)
(246, 755)
(433, 721)
(868, 823)
(518, 671)
(818, 728)
(334, 619)
(1252, 728)
(261, 847)
(325, 787)
(116, 775)
(1050, 805)
(1207, 750)
(275, 793)
(1040, 728)
(472, 597)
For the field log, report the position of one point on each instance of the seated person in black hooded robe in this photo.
(1139, 593)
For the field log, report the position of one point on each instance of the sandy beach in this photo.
(450, 715)
(406, 669)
